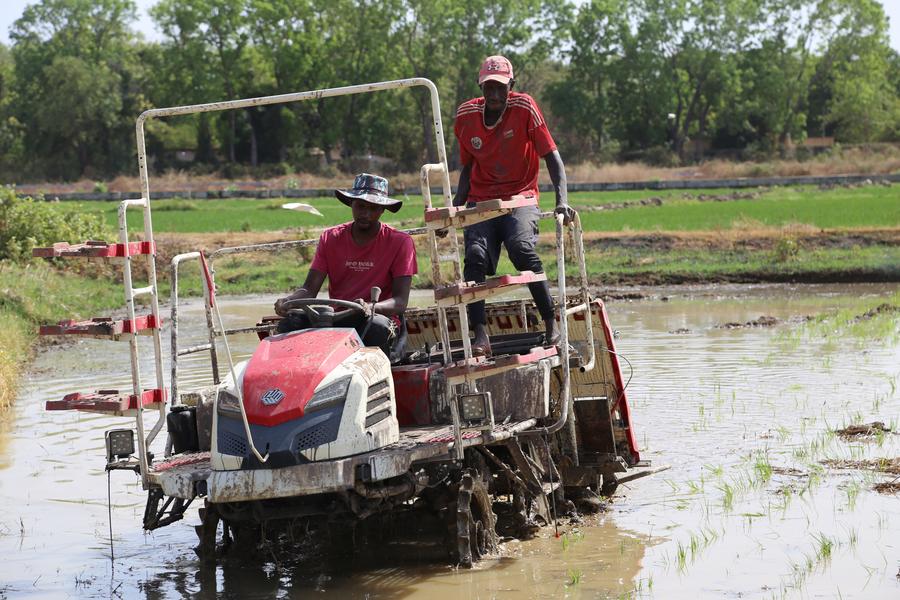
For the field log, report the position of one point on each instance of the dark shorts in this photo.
(517, 231)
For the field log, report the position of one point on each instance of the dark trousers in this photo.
(517, 231)
(382, 332)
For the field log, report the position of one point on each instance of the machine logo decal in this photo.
(272, 397)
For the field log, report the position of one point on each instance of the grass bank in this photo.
(37, 293)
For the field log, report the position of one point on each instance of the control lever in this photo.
(376, 293)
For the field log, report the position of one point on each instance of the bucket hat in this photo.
(369, 188)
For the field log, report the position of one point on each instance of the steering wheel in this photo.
(305, 306)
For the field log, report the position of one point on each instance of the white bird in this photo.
(302, 208)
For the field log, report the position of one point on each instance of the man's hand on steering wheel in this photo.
(366, 306)
(279, 306)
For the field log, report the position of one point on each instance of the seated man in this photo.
(355, 257)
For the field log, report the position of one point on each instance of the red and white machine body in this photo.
(309, 395)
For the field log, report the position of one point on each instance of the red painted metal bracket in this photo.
(461, 216)
(107, 401)
(105, 327)
(470, 291)
(485, 367)
(94, 249)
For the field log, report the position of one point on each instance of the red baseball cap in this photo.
(495, 68)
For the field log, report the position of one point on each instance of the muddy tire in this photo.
(472, 523)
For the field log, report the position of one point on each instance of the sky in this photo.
(10, 10)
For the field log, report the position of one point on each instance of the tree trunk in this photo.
(232, 126)
(253, 118)
(205, 152)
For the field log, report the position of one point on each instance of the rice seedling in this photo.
(574, 577)
(825, 545)
(762, 467)
(717, 471)
(696, 487)
(570, 538)
(727, 496)
(852, 537)
(681, 553)
(783, 433)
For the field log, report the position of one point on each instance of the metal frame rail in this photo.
(440, 170)
(145, 202)
(144, 439)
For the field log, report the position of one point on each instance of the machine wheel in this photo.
(206, 532)
(472, 525)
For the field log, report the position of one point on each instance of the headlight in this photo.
(228, 405)
(330, 395)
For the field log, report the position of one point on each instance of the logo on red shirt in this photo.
(359, 265)
(476, 142)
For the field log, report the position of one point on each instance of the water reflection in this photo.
(599, 559)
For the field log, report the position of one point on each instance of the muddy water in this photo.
(747, 510)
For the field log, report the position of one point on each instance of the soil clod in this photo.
(884, 465)
(762, 321)
(888, 487)
(867, 429)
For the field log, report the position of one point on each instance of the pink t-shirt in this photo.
(353, 270)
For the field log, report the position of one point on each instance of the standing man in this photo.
(502, 136)
(357, 256)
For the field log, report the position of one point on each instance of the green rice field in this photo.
(869, 206)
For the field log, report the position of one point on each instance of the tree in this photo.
(864, 102)
(12, 133)
(213, 34)
(634, 63)
(583, 99)
(74, 119)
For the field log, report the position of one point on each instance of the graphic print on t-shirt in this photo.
(359, 266)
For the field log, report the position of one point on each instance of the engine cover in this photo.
(343, 406)
(286, 369)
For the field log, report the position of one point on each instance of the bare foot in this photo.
(481, 345)
(552, 336)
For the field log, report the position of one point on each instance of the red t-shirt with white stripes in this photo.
(505, 157)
